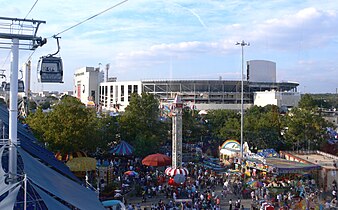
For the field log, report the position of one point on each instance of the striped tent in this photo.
(122, 149)
(174, 171)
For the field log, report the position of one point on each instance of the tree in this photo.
(140, 120)
(262, 127)
(307, 102)
(107, 131)
(230, 129)
(146, 145)
(305, 129)
(224, 124)
(193, 126)
(69, 127)
(38, 123)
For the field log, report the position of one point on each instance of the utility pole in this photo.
(17, 30)
(242, 44)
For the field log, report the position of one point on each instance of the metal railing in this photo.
(7, 142)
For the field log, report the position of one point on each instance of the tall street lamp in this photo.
(242, 44)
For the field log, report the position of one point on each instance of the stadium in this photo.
(259, 88)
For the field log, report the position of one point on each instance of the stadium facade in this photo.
(260, 88)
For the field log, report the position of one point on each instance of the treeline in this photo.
(325, 101)
(71, 126)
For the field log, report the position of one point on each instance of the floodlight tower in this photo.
(177, 132)
(242, 44)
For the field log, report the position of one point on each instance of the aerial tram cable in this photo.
(67, 29)
(21, 26)
(50, 68)
(9, 53)
(31, 8)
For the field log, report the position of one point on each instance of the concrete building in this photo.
(280, 99)
(200, 94)
(115, 96)
(86, 83)
(261, 71)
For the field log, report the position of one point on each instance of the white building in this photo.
(86, 84)
(280, 99)
(115, 96)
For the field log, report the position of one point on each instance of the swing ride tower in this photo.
(177, 132)
(22, 34)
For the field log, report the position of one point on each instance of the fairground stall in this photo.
(281, 178)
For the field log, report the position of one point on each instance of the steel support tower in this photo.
(177, 132)
(16, 30)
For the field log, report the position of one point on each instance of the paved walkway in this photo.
(134, 200)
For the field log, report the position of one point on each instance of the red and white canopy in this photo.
(173, 171)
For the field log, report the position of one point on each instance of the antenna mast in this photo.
(107, 68)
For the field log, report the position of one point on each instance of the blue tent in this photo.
(122, 149)
(267, 153)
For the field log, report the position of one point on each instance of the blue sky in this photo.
(187, 39)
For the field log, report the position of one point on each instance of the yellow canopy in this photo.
(82, 164)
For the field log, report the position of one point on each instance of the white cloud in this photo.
(145, 34)
(310, 26)
(306, 27)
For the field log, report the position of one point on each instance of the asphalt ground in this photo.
(134, 200)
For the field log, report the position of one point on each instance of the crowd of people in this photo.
(206, 189)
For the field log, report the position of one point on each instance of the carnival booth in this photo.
(279, 166)
(229, 150)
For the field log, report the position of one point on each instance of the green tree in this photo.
(231, 129)
(141, 120)
(262, 127)
(38, 123)
(69, 127)
(305, 129)
(146, 145)
(307, 102)
(224, 124)
(107, 132)
(193, 127)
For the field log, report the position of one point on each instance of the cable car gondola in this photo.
(50, 68)
(7, 87)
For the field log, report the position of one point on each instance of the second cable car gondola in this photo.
(7, 87)
(50, 68)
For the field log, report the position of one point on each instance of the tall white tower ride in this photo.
(177, 133)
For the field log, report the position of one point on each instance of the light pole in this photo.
(242, 44)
